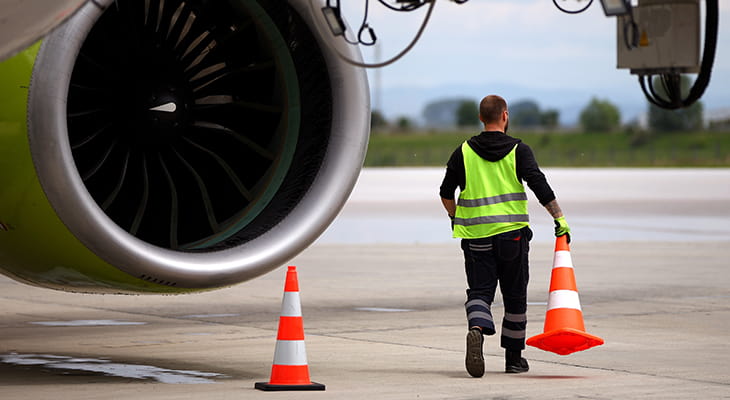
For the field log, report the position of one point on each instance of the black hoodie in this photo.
(494, 146)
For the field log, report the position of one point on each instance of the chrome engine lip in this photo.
(67, 194)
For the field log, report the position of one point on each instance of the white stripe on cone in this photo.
(290, 305)
(290, 352)
(563, 299)
(562, 259)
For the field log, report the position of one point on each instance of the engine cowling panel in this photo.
(176, 145)
(24, 22)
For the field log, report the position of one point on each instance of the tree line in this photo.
(599, 116)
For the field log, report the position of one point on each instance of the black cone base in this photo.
(266, 386)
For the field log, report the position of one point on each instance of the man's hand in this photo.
(561, 227)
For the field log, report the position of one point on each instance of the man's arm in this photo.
(450, 206)
(453, 178)
(528, 170)
(554, 209)
(561, 225)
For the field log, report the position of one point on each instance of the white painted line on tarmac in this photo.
(379, 309)
(88, 322)
(210, 315)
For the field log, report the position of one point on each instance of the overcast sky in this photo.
(502, 43)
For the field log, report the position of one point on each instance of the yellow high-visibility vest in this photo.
(493, 200)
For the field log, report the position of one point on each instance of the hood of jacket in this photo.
(492, 145)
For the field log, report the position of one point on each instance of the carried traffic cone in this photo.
(564, 332)
(290, 370)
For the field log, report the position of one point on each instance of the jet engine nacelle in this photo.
(168, 146)
(23, 22)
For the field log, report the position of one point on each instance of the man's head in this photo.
(493, 113)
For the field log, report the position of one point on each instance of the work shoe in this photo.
(516, 366)
(474, 356)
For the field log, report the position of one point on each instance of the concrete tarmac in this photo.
(386, 321)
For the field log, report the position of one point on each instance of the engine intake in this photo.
(193, 143)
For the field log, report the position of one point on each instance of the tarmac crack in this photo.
(703, 381)
(594, 368)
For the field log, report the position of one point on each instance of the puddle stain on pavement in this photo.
(68, 365)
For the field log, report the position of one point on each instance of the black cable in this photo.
(364, 27)
(631, 24)
(708, 53)
(409, 6)
(672, 82)
(653, 99)
(673, 86)
(337, 9)
(572, 12)
(397, 56)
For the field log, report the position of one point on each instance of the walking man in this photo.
(491, 219)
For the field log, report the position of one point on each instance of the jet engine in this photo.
(168, 146)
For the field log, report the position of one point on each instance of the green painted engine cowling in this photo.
(172, 146)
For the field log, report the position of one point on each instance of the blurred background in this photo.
(558, 73)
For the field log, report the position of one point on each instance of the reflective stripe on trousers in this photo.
(501, 259)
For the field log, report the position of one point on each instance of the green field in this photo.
(697, 149)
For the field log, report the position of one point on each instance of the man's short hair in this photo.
(491, 108)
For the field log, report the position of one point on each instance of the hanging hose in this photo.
(672, 81)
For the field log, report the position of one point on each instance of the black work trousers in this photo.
(499, 259)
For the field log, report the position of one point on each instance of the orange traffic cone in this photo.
(290, 370)
(564, 332)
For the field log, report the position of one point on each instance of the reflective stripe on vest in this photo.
(493, 200)
(485, 201)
